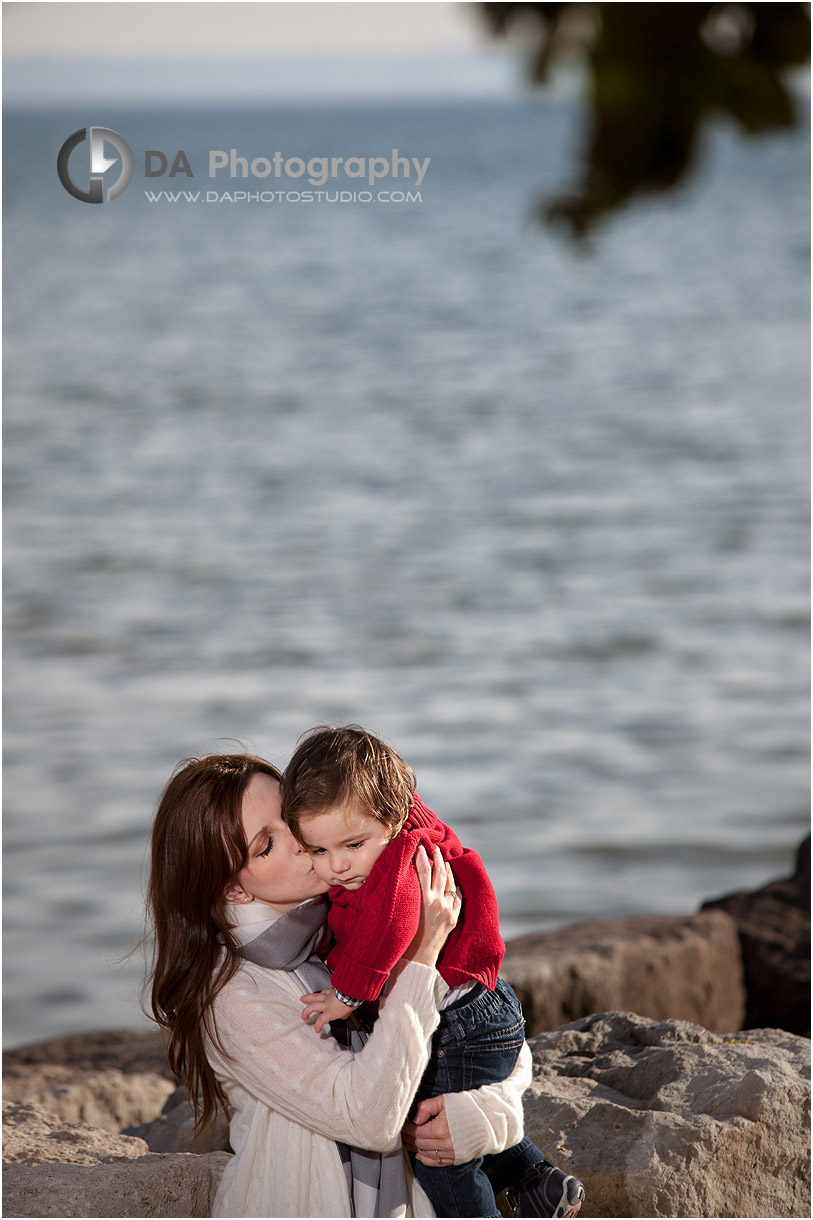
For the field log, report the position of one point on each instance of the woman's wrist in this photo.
(428, 955)
(424, 958)
(425, 976)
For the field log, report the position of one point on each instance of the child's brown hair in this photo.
(333, 765)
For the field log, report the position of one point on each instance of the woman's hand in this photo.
(440, 907)
(428, 1136)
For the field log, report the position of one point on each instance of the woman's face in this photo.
(279, 872)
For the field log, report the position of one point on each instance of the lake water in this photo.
(538, 517)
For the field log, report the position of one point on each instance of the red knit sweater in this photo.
(374, 924)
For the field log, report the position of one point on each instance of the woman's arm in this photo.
(361, 1099)
(489, 1119)
(462, 1126)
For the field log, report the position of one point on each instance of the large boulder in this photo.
(125, 1049)
(117, 1080)
(33, 1135)
(682, 966)
(149, 1186)
(774, 929)
(664, 1118)
(109, 1099)
(71, 1169)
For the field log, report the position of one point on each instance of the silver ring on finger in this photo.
(437, 1156)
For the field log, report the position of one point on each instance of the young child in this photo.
(350, 800)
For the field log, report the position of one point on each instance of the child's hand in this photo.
(326, 1004)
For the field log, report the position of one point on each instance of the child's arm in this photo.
(385, 926)
(328, 1005)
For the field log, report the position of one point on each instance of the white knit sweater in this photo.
(293, 1093)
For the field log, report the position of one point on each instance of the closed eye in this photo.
(356, 846)
(268, 848)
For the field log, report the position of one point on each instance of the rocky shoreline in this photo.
(671, 1072)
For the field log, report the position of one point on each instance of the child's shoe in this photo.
(545, 1191)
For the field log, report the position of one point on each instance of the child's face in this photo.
(344, 844)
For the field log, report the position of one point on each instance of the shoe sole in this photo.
(573, 1204)
(568, 1205)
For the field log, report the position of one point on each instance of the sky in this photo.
(249, 29)
(156, 51)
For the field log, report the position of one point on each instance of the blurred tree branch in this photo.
(657, 73)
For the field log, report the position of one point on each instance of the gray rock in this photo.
(148, 1186)
(173, 1129)
(686, 967)
(668, 1119)
(108, 1099)
(124, 1049)
(774, 928)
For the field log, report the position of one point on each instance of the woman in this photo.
(238, 918)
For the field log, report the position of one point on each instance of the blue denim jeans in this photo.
(477, 1042)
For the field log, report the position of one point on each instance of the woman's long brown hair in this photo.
(198, 847)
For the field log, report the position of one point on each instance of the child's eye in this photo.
(355, 846)
(316, 851)
(268, 848)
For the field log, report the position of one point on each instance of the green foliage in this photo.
(657, 73)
